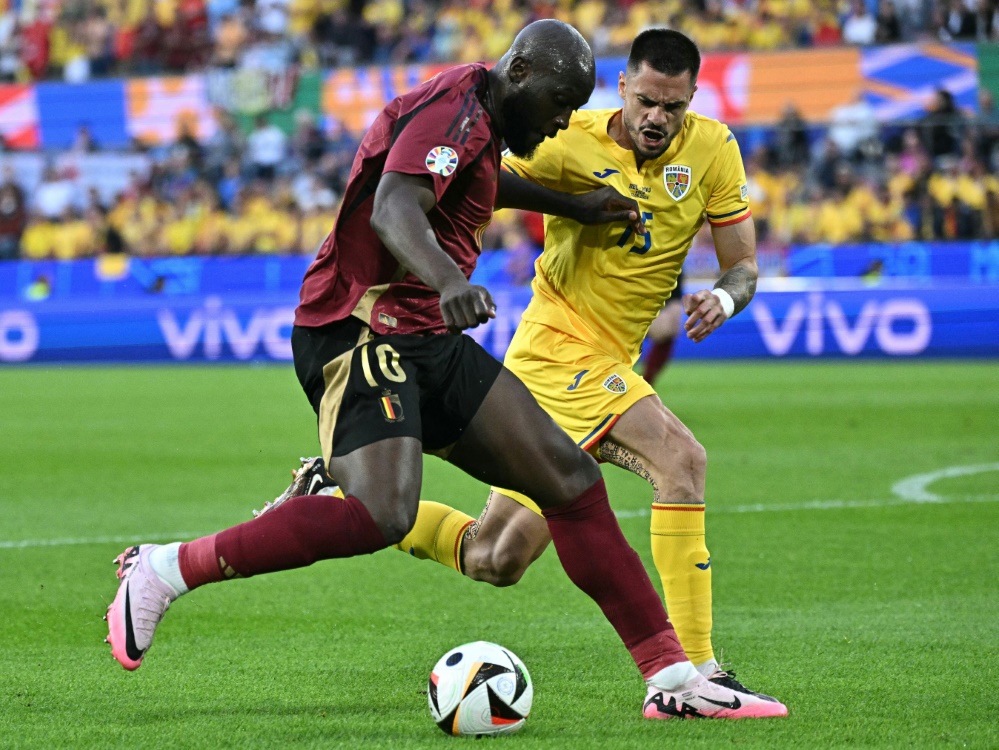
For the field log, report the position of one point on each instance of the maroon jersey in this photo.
(441, 130)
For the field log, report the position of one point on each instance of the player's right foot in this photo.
(704, 699)
(310, 479)
(142, 600)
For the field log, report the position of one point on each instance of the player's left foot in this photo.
(704, 699)
(727, 679)
(142, 600)
(310, 479)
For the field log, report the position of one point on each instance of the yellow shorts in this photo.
(584, 390)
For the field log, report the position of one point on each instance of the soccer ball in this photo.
(480, 689)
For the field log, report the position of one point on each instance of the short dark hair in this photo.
(666, 51)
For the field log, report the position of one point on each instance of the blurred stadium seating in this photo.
(239, 120)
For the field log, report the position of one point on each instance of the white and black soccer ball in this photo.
(480, 689)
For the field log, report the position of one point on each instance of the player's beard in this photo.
(647, 154)
(516, 134)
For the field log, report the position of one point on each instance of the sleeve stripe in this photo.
(733, 221)
(510, 168)
(730, 213)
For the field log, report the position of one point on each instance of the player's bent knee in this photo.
(394, 519)
(496, 566)
(680, 471)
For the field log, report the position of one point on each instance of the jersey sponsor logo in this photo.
(442, 160)
(677, 179)
(615, 384)
(575, 382)
(605, 174)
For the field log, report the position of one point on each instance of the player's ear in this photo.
(622, 84)
(518, 70)
(692, 92)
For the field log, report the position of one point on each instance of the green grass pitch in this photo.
(875, 618)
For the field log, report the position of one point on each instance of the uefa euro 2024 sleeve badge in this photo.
(677, 179)
(442, 160)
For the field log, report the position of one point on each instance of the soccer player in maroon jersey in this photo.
(378, 351)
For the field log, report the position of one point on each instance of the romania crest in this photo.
(615, 384)
(677, 179)
(442, 160)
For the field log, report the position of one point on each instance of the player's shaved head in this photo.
(545, 76)
(553, 47)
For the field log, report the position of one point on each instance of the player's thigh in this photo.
(651, 441)
(667, 324)
(386, 477)
(508, 538)
(511, 442)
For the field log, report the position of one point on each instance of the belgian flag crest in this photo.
(391, 407)
(677, 179)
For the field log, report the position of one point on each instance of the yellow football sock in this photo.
(684, 566)
(437, 534)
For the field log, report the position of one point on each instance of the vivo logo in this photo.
(18, 336)
(213, 325)
(899, 326)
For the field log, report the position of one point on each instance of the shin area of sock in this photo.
(300, 532)
(598, 559)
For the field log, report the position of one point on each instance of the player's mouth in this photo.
(652, 138)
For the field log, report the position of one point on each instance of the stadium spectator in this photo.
(791, 145)
(889, 26)
(10, 46)
(267, 147)
(230, 37)
(859, 26)
(54, 194)
(13, 215)
(853, 127)
(226, 144)
(942, 126)
(955, 20)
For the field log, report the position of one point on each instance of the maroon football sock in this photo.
(298, 533)
(660, 353)
(599, 561)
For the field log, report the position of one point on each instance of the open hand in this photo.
(705, 314)
(606, 205)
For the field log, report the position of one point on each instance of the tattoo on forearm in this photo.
(739, 282)
(615, 454)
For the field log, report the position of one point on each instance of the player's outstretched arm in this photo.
(735, 246)
(602, 206)
(399, 218)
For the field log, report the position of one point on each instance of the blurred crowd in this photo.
(235, 193)
(82, 39)
(849, 180)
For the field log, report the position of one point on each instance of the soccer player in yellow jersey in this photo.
(597, 290)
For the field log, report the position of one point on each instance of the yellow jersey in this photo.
(604, 284)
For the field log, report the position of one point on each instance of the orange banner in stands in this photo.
(814, 80)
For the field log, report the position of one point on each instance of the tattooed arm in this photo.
(735, 246)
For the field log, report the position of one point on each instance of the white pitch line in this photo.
(134, 538)
(622, 514)
(825, 505)
(909, 491)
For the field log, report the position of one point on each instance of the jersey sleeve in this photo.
(545, 167)
(728, 201)
(439, 139)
